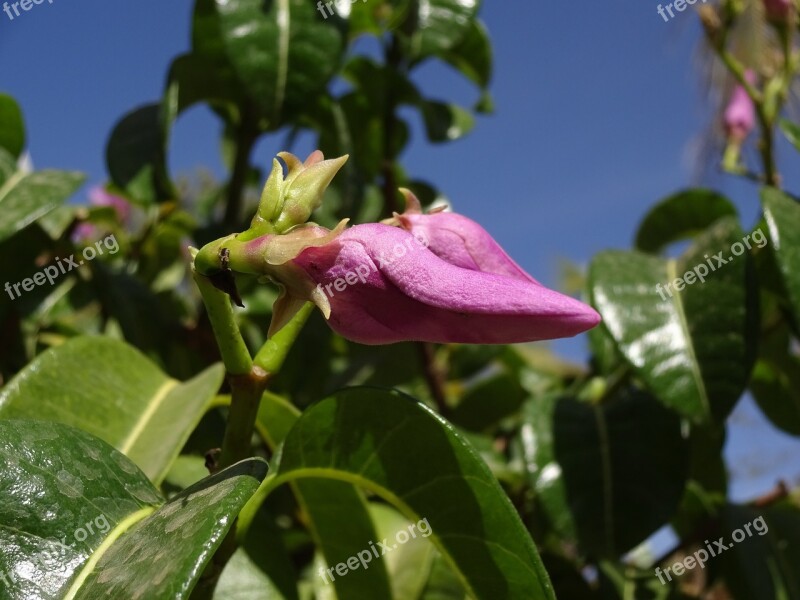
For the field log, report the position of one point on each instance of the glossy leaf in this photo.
(783, 220)
(164, 555)
(62, 494)
(439, 25)
(683, 215)
(12, 126)
(606, 475)
(325, 501)
(282, 53)
(399, 449)
(693, 348)
(24, 197)
(109, 389)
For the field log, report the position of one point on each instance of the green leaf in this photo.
(791, 131)
(683, 215)
(764, 563)
(775, 382)
(62, 494)
(399, 449)
(472, 56)
(24, 197)
(488, 401)
(607, 475)
(282, 53)
(693, 348)
(411, 564)
(783, 220)
(439, 25)
(325, 501)
(12, 126)
(164, 555)
(446, 122)
(109, 389)
(136, 157)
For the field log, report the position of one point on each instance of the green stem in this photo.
(246, 136)
(246, 392)
(235, 355)
(766, 123)
(272, 354)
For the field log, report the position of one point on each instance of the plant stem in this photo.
(765, 122)
(246, 392)
(434, 376)
(235, 355)
(272, 354)
(246, 136)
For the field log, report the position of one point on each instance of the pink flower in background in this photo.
(739, 118)
(99, 196)
(778, 10)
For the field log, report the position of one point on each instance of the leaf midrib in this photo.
(694, 365)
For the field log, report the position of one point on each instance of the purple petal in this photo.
(391, 289)
(464, 243)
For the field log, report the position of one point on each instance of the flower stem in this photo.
(272, 354)
(234, 352)
(246, 136)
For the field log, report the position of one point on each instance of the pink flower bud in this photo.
(458, 240)
(739, 117)
(778, 11)
(378, 284)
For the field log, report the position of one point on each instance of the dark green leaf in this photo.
(439, 25)
(326, 501)
(762, 563)
(401, 450)
(682, 215)
(472, 56)
(12, 126)
(446, 122)
(791, 131)
(136, 155)
(783, 220)
(693, 348)
(164, 555)
(63, 493)
(109, 389)
(282, 53)
(606, 475)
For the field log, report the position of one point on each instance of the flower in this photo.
(377, 284)
(739, 117)
(98, 196)
(778, 11)
(457, 240)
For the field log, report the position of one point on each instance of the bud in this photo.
(739, 117)
(778, 11)
(289, 201)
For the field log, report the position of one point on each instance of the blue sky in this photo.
(596, 106)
